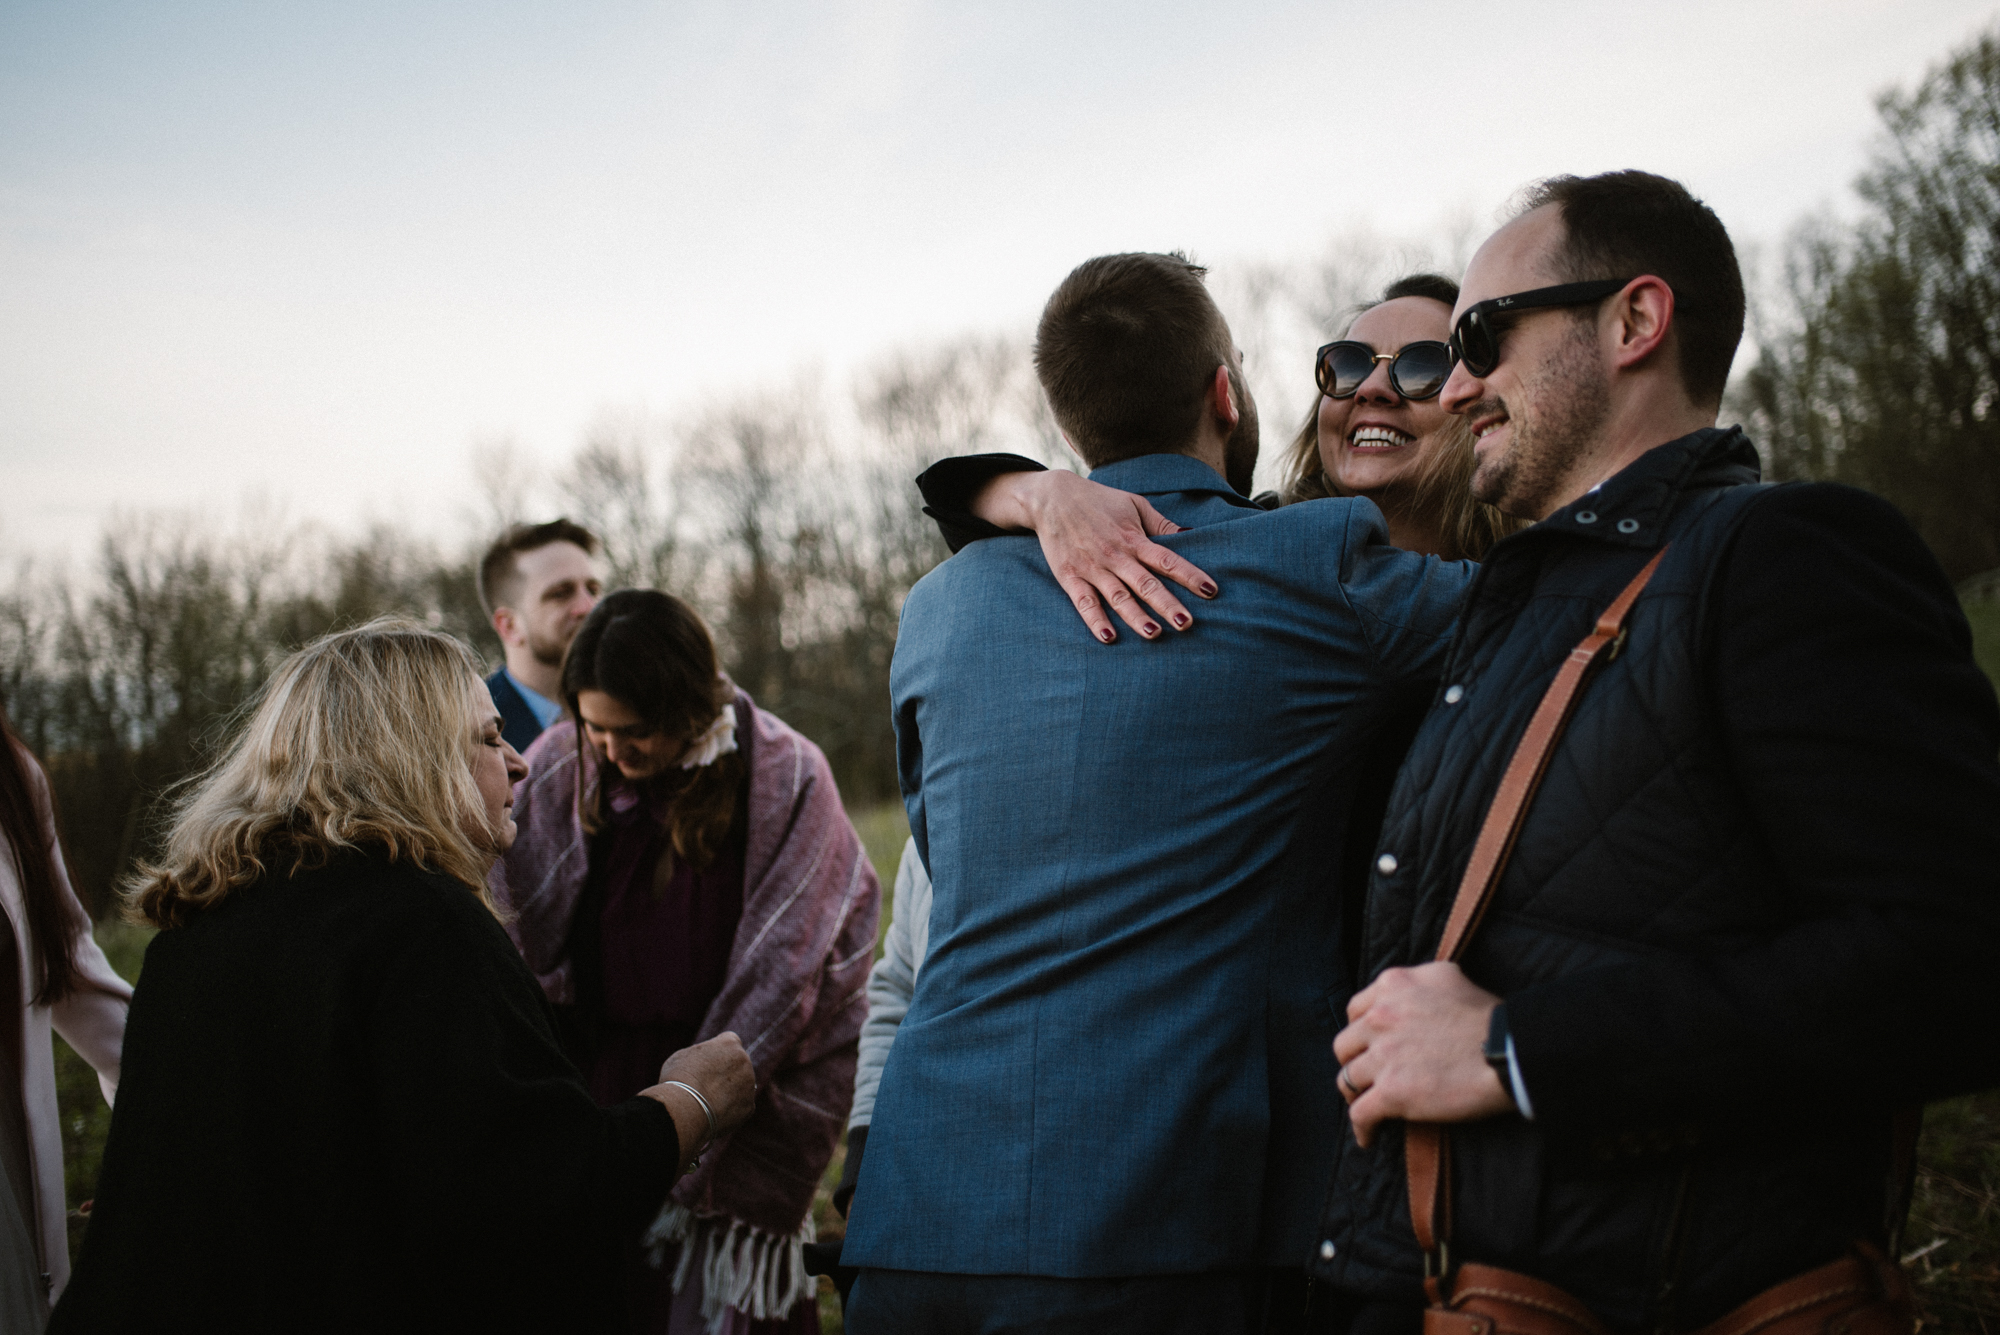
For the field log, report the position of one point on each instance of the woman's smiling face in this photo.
(1371, 442)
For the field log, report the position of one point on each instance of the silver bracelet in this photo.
(706, 1111)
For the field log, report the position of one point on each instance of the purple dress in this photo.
(662, 953)
(662, 948)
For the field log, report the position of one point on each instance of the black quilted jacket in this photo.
(1755, 905)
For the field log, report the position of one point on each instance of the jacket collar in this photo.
(1158, 474)
(1632, 507)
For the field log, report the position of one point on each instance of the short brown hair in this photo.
(499, 573)
(1126, 350)
(1627, 223)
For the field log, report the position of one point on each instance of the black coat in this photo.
(1755, 905)
(343, 1109)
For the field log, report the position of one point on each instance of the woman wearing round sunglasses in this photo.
(1377, 430)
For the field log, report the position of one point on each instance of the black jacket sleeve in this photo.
(950, 484)
(488, 1125)
(850, 1172)
(1864, 737)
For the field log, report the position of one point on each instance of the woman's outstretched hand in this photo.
(722, 1072)
(1098, 542)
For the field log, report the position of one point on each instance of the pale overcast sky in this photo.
(313, 252)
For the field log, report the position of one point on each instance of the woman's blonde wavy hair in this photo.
(1467, 528)
(360, 740)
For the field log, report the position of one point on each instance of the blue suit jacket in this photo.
(1082, 1084)
(518, 723)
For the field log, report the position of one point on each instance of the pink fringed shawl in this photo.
(794, 993)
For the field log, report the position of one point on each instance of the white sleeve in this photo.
(91, 1018)
(1520, 1086)
(891, 982)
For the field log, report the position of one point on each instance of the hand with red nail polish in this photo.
(1098, 542)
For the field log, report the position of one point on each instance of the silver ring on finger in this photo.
(1347, 1083)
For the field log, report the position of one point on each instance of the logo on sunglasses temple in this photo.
(1475, 341)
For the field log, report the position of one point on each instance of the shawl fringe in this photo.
(759, 1274)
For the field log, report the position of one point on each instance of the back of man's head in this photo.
(1126, 352)
(499, 569)
(1624, 224)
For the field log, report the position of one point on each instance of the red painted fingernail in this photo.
(1208, 590)
(1180, 620)
(1107, 635)
(1151, 629)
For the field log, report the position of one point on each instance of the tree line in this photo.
(1880, 357)
(788, 516)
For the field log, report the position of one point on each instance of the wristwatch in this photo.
(1496, 1051)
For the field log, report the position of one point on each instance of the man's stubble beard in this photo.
(549, 651)
(1239, 452)
(1570, 399)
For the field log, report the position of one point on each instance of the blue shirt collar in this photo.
(545, 710)
(1154, 474)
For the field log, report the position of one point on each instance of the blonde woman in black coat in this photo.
(343, 1105)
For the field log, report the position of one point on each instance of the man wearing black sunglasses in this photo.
(1752, 907)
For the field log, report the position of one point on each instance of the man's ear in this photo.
(1644, 316)
(1222, 398)
(508, 627)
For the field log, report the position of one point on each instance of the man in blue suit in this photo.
(1076, 1127)
(537, 582)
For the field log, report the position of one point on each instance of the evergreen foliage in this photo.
(1884, 369)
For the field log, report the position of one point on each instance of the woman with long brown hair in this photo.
(52, 976)
(685, 866)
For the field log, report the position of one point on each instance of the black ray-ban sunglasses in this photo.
(1475, 339)
(1416, 370)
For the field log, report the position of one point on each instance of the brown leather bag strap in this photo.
(1425, 1150)
(1906, 1127)
(1530, 761)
